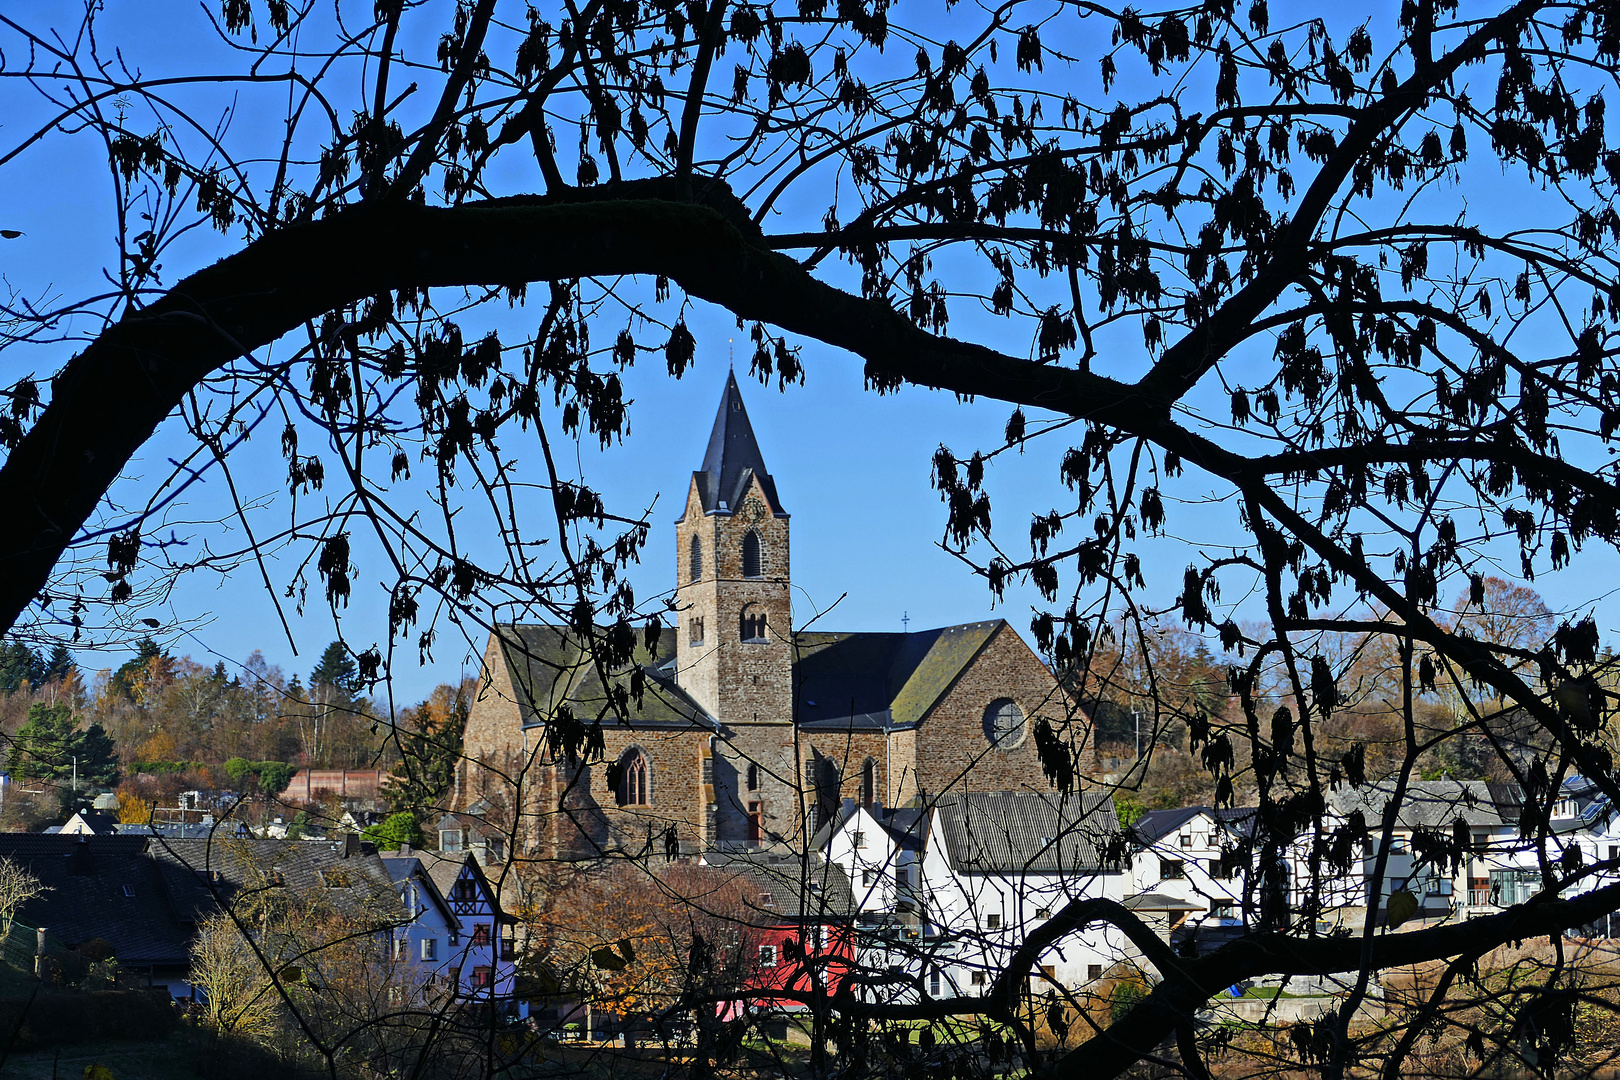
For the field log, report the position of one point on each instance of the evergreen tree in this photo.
(336, 668)
(60, 665)
(19, 664)
(430, 746)
(124, 679)
(49, 746)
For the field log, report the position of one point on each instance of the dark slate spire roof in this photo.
(733, 456)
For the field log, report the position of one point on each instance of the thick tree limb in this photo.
(108, 401)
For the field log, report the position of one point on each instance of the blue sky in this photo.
(852, 467)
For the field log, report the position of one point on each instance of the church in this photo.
(732, 730)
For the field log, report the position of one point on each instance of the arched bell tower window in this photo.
(696, 572)
(635, 788)
(753, 625)
(750, 554)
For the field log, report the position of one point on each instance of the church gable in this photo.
(980, 733)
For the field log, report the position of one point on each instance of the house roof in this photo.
(403, 868)
(1026, 831)
(199, 874)
(104, 887)
(1157, 824)
(732, 458)
(880, 680)
(791, 890)
(1151, 901)
(1431, 803)
(903, 825)
(97, 822)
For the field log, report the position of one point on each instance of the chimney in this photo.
(849, 807)
(351, 844)
(405, 851)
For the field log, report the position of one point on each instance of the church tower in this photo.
(734, 652)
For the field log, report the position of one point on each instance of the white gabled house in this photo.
(479, 965)
(428, 933)
(947, 894)
(1186, 876)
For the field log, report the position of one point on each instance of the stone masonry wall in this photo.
(952, 749)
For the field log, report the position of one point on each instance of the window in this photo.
(508, 948)
(753, 777)
(992, 921)
(634, 789)
(401, 948)
(430, 948)
(1215, 868)
(750, 554)
(1223, 909)
(694, 631)
(868, 782)
(696, 569)
(1614, 852)
(465, 889)
(767, 956)
(1003, 723)
(1186, 839)
(1439, 886)
(480, 935)
(753, 625)
(708, 768)
(976, 978)
(859, 839)
(868, 877)
(756, 824)
(449, 839)
(933, 982)
(1093, 972)
(901, 879)
(482, 978)
(1049, 973)
(1171, 869)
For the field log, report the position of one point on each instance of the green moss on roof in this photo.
(550, 666)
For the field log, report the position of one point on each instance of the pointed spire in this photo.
(733, 455)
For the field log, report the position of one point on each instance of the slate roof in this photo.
(199, 874)
(1156, 824)
(789, 890)
(732, 458)
(879, 680)
(1027, 832)
(1429, 803)
(904, 825)
(551, 665)
(403, 868)
(842, 680)
(101, 887)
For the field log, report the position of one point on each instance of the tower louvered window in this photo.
(753, 625)
(750, 555)
(696, 570)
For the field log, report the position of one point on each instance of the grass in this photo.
(126, 1060)
(1268, 992)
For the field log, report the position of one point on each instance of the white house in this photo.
(429, 931)
(1185, 875)
(479, 959)
(949, 893)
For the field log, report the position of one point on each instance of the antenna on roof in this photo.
(905, 621)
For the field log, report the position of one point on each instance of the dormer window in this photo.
(750, 555)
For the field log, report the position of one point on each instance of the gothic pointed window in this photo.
(868, 782)
(697, 560)
(634, 789)
(750, 555)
